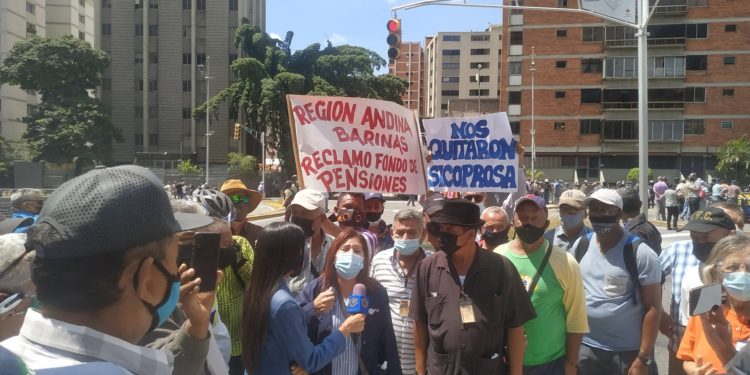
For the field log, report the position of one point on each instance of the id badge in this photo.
(466, 307)
(403, 308)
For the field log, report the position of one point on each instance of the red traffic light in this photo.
(394, 25)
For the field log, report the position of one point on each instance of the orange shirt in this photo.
(694, 342)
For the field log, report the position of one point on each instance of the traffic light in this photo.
(237, 128)
(394, 38)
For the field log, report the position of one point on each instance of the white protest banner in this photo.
(623, 10)
(471, 154)
(357, 145)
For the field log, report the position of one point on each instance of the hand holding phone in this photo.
(705, 298)
(205, 259)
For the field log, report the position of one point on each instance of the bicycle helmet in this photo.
(217, 204)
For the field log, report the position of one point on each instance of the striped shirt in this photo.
(388, 272)
(676, 260)
(346, 363)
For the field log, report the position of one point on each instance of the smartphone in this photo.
(205, 260)
(184, 254)
(705, 298)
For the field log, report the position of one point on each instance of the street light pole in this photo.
(208, 77)
(533, 124)
(642, 35)
(479, 88)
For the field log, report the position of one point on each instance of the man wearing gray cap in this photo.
(106, 274)
(621, 277)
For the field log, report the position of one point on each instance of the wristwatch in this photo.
(647, 360)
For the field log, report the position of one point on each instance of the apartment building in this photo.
(162, 51)
(585, 86)
(410, 66)
(20, 20)
(462, 72)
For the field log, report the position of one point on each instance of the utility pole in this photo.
(479, 88)
(207, 77)
(533, 124)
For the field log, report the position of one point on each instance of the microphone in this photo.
(357, 303)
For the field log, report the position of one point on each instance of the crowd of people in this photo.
(98, 278)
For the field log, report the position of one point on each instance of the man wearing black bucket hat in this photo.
(106, 275)
(465, 300)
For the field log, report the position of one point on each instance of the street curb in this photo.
(267, 215)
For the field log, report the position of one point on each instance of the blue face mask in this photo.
(349, 264)
(737, 285)
(571, 221)
(406, 247)
(163, 309)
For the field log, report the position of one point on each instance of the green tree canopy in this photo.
(634, 174)
(241, 166)
(734, 158)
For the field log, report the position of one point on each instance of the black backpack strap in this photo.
(629, 253)
(539, 270)
(583, 246)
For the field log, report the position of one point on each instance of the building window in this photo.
(138, 111)
(591, 126)
(559, 94)
(138, 139)
(591, 65)
(451, 65)
(138, 4)
(30, 28)
(450, 79)
(30, 109)
(153, 85)
(186, 58)
(186, 31)
(186, 113)
(665, 130)
(562, 33)
(444, 106)
(516, 37)
(482, 92)
(200, 59)
(559, 126)
(30, 8)
(106, 3)
(153, 30)
(593, 34)
(186, 4)
(138, 30)
(515, 127)
(516, 3)
(727, 93)
(81, 35)
(153, 57)
(514, 97)
(562, 3)
(201, 4)
(697, 3)
(694, 127)
(153, 4)
(695, 31)
(473, 78)
(81, 19)
(515, 67)
(139, 86)
(451, 52)
(153, 139)
(106, 29)
(729, 60)
(696, 62)
(451, 38)
(726, 125)
(561, 64)
(186, 85)
(695, 94)
(138, 58)
(233, 5)
(480, 51)
(591, 96)
(153, 112)
(480, 38)
(449, 92)
(475, 65)
(620, 130)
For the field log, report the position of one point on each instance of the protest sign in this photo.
(471, 154)
(357, 145)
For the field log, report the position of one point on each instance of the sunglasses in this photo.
(236, 198)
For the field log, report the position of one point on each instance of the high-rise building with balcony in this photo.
(585, 86)
(410, 66)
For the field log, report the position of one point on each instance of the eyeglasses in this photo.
(476, 198)
(236, 198)
(734, 267)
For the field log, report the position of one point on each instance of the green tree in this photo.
(269, 70)
(538, 174)
(7, 155)
(633, 174)
(241, 166)
(186, 168)
(734, 158)
(69, 125)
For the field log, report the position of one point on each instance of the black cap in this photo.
(458, 212)
(709, 219)
(106, 211)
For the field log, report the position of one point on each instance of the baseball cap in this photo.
(433, 204)
(538, 201)
(709, 219)
(106, 211)
(606, 196)
(369, 196)
(310, 200)
(572, 197)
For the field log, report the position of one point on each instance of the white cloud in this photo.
(275, 36)
(337, 39)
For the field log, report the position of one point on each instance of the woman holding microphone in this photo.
(274, 335)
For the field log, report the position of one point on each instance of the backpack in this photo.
(628, 255)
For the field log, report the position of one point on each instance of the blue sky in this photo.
(362, 22)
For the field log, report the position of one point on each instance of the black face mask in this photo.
(305, 224)
(529, 233)
(448, 241)
(495, 239)
(702, 250)
(229, 256)
(373, 216)
(351, 218)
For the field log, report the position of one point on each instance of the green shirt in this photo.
(546, 334)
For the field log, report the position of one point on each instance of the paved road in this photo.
(668, 237)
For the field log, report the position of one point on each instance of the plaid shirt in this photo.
(676, 260)
(49, 343)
